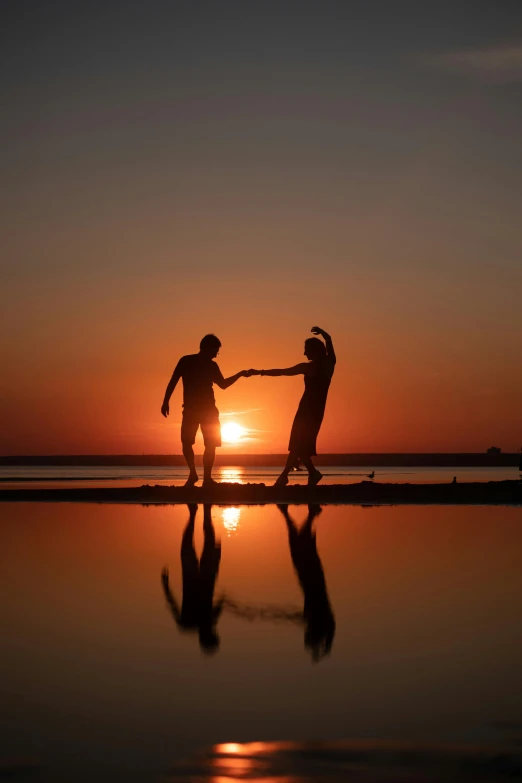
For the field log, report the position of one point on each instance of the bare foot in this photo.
(282, 481)
(209, 482)
(192, 479)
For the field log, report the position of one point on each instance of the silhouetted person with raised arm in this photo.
(198, 612)
(199, 372)
(317, 612)
(317, 373)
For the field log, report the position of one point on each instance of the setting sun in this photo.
(231, 432)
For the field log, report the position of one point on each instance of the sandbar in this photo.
(364, 492)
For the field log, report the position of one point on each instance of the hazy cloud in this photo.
(239, 413)
(493, 64)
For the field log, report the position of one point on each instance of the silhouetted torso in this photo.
(317, 382)
(198, 374)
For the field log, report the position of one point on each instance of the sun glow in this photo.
(231, 432)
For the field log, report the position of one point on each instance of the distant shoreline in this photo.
(433, 460)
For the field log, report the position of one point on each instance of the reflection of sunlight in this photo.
(235, 768)
(231, 474)
(249, 747)
(231, 761)
(231, 516)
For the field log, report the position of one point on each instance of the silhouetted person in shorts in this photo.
(198, 612)
(317, 612)
(199, 372)
(317, 373)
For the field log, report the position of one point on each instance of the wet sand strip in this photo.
(365, 492)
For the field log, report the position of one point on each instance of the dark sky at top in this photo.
(106, 97)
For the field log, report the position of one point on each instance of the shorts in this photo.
(208, 419)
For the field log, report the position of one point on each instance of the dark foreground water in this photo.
(398, 624)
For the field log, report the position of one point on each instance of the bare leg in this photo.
(291, 460)
(309, 465)
(188, 453)
(209, 568)
(209, 456)
(189, 559)
(314, 476)
(211, 554)
(314, 509)
(187, 540)
(292, 527)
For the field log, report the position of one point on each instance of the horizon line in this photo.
(241, 454)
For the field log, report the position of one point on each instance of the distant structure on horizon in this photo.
(493, 450)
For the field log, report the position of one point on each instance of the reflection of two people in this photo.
(198, 612)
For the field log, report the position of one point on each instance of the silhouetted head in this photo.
(210, 345)
(314, 348)
(208, 641)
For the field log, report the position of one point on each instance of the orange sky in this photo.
(156, 189)
(91, 377)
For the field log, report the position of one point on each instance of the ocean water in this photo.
(114, 476)
(396, 624)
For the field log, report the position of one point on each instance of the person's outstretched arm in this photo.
(328, 340)
(176, 375)
(224, 383)
(297, 369)
(173, 606)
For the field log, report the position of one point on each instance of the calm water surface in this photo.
(13, 476)
(411, 631)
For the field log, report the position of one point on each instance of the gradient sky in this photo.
(252, 169)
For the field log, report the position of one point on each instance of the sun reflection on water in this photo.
(231, 474)
(231, 516)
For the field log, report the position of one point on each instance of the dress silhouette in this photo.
(198, 612)
(317, 373)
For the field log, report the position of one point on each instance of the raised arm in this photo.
(328, 340)
(176, 375)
